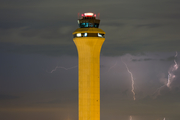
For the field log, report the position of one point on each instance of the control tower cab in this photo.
(88, 26)
(88, 20)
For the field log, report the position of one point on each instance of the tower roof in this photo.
(89, 14)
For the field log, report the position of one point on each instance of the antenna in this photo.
(78, 15)
(98, 16)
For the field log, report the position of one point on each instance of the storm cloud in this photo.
(36, 38)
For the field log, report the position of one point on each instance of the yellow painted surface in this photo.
(89, 30)
(89, 75)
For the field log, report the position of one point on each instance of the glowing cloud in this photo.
(171, 76)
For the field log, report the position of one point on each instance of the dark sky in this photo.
(38, 59)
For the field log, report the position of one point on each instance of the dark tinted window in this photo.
(96, 25)
(86, 25)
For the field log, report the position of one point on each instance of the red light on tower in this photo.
(88, 14)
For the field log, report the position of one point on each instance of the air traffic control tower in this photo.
(89, 39)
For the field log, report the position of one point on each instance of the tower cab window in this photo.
(86, 25)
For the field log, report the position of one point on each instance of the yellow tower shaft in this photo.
(89, 76)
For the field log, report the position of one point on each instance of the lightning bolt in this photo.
(132, 80)
(68, 118)
(158, 91)
(57, 67)
(112, 66)
(173, 68)
(130, 117)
